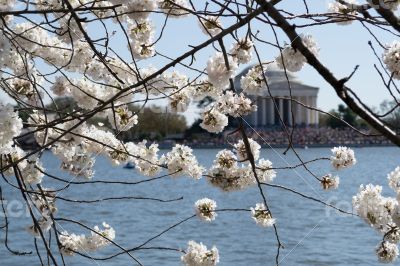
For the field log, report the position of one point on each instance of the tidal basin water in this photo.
(311, 233)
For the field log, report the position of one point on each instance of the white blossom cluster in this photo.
(345, 12)
(210, 25)
(242, 51)
(228, 174)
(390, 4)
(29, 169)
(213, 120)
(330, 182)
(391, 58)
(215, 117)
(262, 216)
(145, 157)
(394, 180)
(218, 71)
(10, 124)
(342, 157)
(203, 89)
(44, 202)
(141, 33)
(98, 239)
(205, 209)
(387, 252)
(197, 254)
(175, 8)
(253, 82)
(181, 161)
(241, 150)
(383, 214)
(292, 59)
(6, 5)
(235, 105)
(121, 118)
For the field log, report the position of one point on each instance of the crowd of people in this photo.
(301, 136)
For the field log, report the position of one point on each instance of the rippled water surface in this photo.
(311, 234)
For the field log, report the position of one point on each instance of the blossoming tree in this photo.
(102, 54)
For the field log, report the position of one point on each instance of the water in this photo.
(311, 233)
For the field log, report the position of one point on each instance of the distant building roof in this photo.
(278, 82)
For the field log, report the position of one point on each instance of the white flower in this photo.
(10, 124)
(5, 48)
(264, 171)
(253, 82)
(390, 4)
(375, 209)
(293, 59)
(44, 224)
(140, 31)
(138, 9)
(394, 179)
(218, 74)
(180, 160)
(121, 118)
(175, 8)
(328, 182)
(210, 25)
(6, 5)
(235, 105)
(142, 50)
(71, 243)
(214, 121)
(345, 13)
(32, 172)
(179, 101)
(45, 205)
(227, 176)
(391, 57)
(393, 233)
(241, 50)
(343, 157)
(226, 159)
(118, 155)
(262, 216)
(101, 238)
(197, 254)
(146, 158)
(241, 151)
(77, 161)
(203, 89)
(387, 252)
(61, 86)
(205, 209)
(88, 94)
(8, 155)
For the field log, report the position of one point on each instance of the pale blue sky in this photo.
(341, 49)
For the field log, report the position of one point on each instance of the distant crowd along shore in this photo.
(301, 137)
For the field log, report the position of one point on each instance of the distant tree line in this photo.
(387, 108)
(154, 122)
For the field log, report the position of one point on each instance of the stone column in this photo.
(264, 112)
(290, 120)
(281, 109)
(254, 116)
(271, 112)
(308, 112)
(298, 116)
(316, 113)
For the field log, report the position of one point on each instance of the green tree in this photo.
(393, 113)
(344, 113)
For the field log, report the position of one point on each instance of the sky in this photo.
(341, 49)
